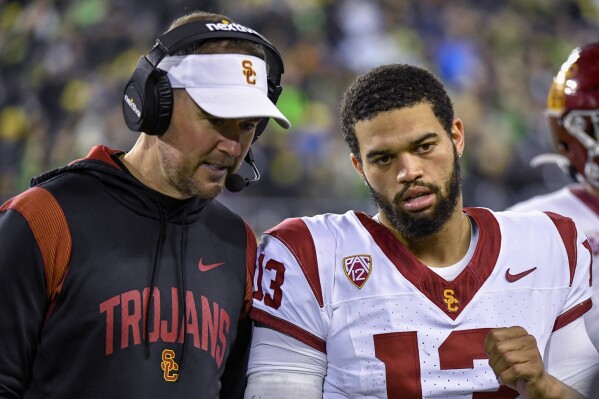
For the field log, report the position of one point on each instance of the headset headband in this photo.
(147, 98)
(180, 37)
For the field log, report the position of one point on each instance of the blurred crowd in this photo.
(64, 63)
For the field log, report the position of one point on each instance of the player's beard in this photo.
(415, 226)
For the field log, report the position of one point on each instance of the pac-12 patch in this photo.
(357, 268)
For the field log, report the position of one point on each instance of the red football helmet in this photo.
(573, 113)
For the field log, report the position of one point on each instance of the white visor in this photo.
(230, 86)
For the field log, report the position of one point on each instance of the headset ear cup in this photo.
(140, 100)
(133, 106)
(135, 100)
(163, 93)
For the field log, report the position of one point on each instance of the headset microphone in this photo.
(235, 183)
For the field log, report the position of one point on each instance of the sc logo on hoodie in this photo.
(169, 365)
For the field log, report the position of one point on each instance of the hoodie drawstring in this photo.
(155, 267)
(149, 312)
(183, 285)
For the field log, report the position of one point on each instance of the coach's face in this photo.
(198, 151)
(411, 168)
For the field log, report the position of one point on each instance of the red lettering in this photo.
(166, 334)
(223, 329)
(182, 329)
(108, 308)
(192, 319)
(155, 327)
(209, 325)
(259, 294)
(131, 301)
(135, 319)
(274, 301)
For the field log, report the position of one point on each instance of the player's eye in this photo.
(424, 148)
(382, 160)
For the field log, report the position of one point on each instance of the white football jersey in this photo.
(576, 203)
(391, 327)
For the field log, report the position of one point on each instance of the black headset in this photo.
(148, 96)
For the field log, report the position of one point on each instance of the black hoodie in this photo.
(80, 252)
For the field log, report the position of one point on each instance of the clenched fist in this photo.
(517, 363)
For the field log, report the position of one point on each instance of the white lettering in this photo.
(231, 27)
(133, 106)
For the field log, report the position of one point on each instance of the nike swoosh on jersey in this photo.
(511, 278)
(206, 267)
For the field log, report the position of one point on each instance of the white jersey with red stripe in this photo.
(576, 203)
(391, 327)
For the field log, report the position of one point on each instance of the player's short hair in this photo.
(388, 87)
(216, 46)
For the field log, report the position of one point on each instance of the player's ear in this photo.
(357, 166)
(457, 135)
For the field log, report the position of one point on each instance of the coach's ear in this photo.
(358, 167)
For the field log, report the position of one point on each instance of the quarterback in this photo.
(425, 299)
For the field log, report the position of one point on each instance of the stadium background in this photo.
(63, 65)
